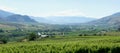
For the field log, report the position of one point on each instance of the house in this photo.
(42, 36)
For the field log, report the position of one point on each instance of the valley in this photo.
(53, 26)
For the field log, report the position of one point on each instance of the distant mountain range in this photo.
(113, 19)
(20, 18)
(11, 17)
(63, 19)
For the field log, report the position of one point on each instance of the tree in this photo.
(32, 36)
(119, 29)
(1, 31)
(80, 34)
(3, 39)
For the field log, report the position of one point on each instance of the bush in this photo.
(80, 34)
(3, 39)
(32, 36)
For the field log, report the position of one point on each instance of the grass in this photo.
(66, 44)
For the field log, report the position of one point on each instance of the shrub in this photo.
(32, 36)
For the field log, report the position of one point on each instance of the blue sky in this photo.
(43, 8)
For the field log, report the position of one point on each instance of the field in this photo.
(66, 44)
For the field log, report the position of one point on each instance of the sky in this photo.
(45, 8)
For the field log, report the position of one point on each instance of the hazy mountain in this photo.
(20, 18)
(5, 13)
(112, 19)
(11, 17)
(1, 19)
(41, 19)
(64, 19)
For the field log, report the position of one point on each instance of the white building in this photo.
(42, 36)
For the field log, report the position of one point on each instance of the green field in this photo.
(66, 44)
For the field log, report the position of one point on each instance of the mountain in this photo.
(1, 19)
(112, 19)
(63, 19)
(41, 19)
(20, 18)
(11, 17)
(5, 13)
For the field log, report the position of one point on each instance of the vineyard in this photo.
(64, 44)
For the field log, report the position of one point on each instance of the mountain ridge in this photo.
(12, 17)
(113, 19)
(63, 19)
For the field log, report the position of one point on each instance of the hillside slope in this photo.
(113, 19)
(11, 17)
